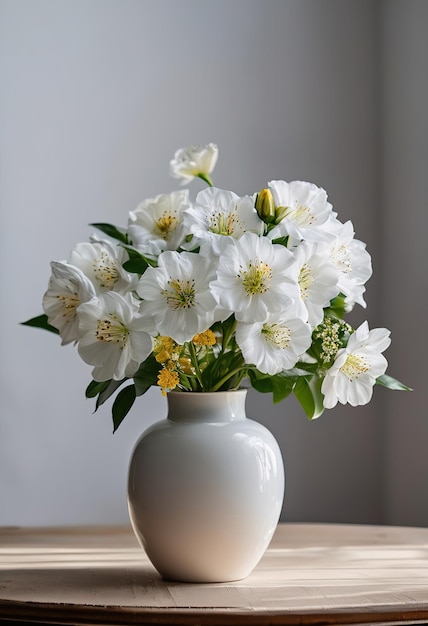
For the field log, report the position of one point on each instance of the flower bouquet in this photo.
(218, 293)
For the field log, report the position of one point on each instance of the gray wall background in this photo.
(96, 95)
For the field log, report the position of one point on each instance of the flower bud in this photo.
(265, 205)
(280, 213)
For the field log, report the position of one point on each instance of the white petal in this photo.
(192, 161)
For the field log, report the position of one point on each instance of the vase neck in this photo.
(220, 406)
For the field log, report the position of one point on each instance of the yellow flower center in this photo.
(278, 335)
(223, 223)
(354, 366)
(305, 281)
(166, 225)
(301, 215)
(256, 278)
(105, 271)
(69, 305)
(112, 331)
(180, 294)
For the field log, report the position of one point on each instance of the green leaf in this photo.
(282, 241)
(227, 328)
(147, 375)
(337, 307)
(41, 321)
(302, 368)
(135, 266)
(122, 405)
(308, 392)
(280, 385)
(283, 386)
(137, 256)
(111, 231)
(95, 387)
(104, 390)
(137, 262)
(392, 383)
(106, 393)
(224, 372)
(263, 384)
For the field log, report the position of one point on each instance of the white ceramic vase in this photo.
(205, 488)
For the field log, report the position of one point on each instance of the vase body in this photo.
(205, 488)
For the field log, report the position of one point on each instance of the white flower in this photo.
(355, 369)
(352, 260)
(156, 224)
(304, 211)
(113, 336)
(177, 294)
(255, 278)
(275, 345)
(218, 215)
(102, 264)
(317, 279)
(68, 289)
(194, 161)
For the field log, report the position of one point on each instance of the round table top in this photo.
(310, 574)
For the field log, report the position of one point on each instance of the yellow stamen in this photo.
(112, 331)
(278, 335)
(301, 215)
(256, 278)
(166, 225)
(354, 366)
(305, 281)
(223, 223)
(105, 270)
(180, 294)
(69, 305)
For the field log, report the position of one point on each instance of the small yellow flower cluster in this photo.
(168, 380)
(167, 352)
(173, 359)
(206, 338)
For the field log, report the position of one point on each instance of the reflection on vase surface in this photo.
(205, 488)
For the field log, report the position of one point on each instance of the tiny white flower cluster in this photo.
(201, 295)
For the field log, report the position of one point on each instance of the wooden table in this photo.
(311, 574)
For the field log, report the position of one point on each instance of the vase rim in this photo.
(206, 406)
(205, 393)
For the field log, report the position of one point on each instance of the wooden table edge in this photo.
(68, 613)
(128, 616)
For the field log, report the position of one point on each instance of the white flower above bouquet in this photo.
(220, 292)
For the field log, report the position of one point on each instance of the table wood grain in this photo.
(311, 574)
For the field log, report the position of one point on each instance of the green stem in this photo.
(188, 382)
(229, 375)
(227, 335)
(194, 359)
(206, 179)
